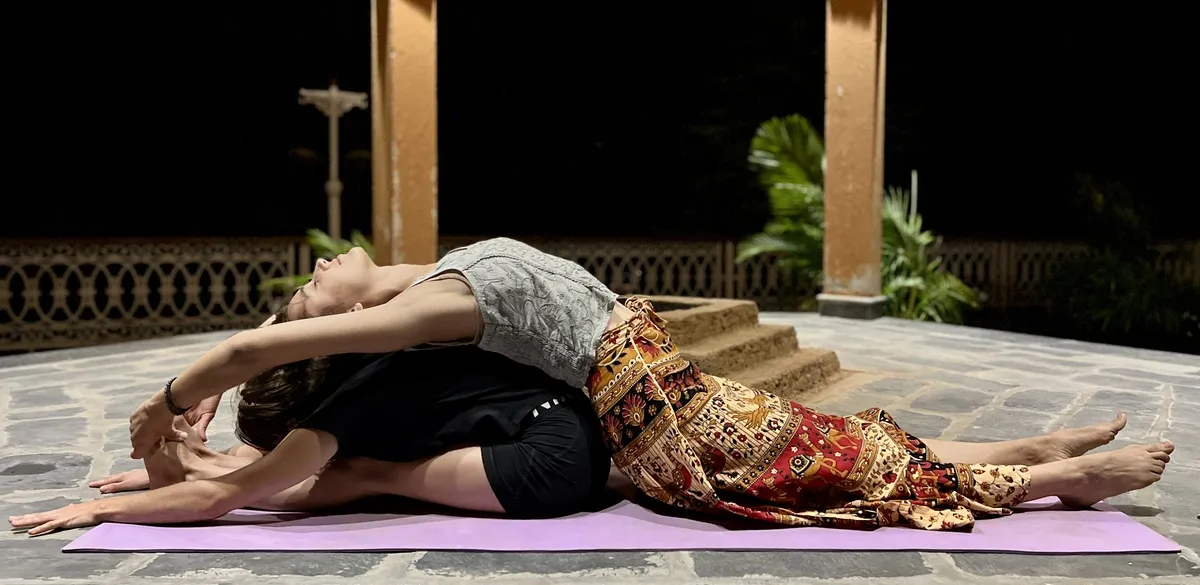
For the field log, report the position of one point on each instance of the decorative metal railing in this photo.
(59, 293)
(74, 293)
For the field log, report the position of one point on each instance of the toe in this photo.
(1163, 447)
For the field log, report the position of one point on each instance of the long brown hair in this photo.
(276, 400)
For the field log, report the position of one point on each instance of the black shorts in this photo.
(556, 465)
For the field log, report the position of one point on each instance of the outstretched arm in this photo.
(301, 454)
(335, 485)
(432, 312)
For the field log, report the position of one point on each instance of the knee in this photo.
(554, 486)
(555, 502)
(557, 468)
(575, 494)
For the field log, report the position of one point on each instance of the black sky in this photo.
(162, 119)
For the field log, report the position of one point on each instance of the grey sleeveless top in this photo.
(537, 309)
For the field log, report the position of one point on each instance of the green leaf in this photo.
(788, 150)
(760, 244)
(361, 241)
(798, 201)
(323, 246)
(285, 283)
(788, 155)
(915, 282)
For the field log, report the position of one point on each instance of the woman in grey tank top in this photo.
(683, 437)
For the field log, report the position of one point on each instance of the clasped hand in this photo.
(152, 422)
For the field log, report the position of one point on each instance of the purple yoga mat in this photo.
(1042, 527)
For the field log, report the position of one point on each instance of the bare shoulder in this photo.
(445, 283)
(443, 292)
(446, 305)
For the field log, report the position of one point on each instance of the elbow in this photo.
(216, 503)
(242, 351)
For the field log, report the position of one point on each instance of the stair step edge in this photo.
(803, 358)
(761, 332)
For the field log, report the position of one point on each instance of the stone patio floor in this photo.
(71, 409)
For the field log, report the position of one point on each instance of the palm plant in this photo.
(915, 283)
(323, 246)
(789, 157)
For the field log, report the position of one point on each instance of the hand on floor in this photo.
(65, 518)
(128, 481)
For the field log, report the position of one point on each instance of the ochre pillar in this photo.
(855, 53)
(404, 130)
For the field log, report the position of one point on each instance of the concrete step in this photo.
(691, 320)
(724, 338)
(794, 376)
(740, 349)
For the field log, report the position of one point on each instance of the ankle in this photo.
(1030, 451)
(1049, 479)
(1072, 474)
(1039, 450)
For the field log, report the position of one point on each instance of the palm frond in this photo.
(760, 244)
(789, 156)
(788, 150)
(359, 240)
(796, 200)
(284, 283)
(323, 246)
(915, 282)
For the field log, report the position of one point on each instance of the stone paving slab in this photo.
(65, 422)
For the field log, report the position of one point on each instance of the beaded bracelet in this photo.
(171, 406)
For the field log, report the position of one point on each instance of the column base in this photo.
(851, 307)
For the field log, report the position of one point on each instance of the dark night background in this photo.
(164, 119)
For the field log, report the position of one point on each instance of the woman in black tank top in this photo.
(514, 440)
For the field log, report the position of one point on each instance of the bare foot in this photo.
(1069, 443)
(1103, 475)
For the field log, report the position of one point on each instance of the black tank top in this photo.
(409, 405)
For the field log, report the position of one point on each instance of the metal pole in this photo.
(333, 187)
(914, 191)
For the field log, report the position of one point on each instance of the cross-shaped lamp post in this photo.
(333, 102)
